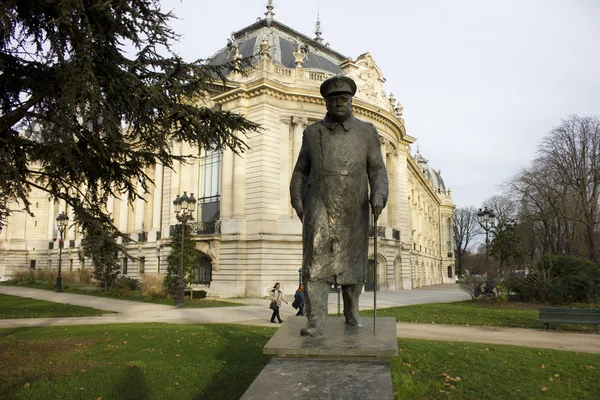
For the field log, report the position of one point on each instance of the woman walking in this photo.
(276, 299)
(300, 300)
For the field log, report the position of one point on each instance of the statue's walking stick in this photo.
(374, 269)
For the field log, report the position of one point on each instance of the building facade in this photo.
(245, 228)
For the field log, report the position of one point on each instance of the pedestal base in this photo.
(345, 363)
(338, 339)
(322, 379)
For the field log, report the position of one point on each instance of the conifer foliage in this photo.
(91, 95)
(191, 259)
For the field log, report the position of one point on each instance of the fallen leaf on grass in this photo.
(589, 367)
(543, 366)
(544, 389)
(27, 384)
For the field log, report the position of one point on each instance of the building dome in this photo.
(285, 47)
(434, 176)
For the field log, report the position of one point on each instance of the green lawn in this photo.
(22, 307)
(133, 361)
(464, 313)
(162, 361)
(92, 290)
(454, 370)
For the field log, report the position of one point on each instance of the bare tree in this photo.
(559, 193)
(504, 207)
(572, 153)
(466, 229)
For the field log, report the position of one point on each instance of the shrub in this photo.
(84, 275)
(200, 294)
(472, 285)
(560, 279)
(152, 284)
(125, 282)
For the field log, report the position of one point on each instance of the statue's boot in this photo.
(350, 294)
(317, 294)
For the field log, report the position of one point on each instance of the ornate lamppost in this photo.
(184, 209)
(487, 220)
(61, 222)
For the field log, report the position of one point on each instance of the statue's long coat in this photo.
(336, 166)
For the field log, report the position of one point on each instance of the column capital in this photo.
(300, 121)
(286, 119)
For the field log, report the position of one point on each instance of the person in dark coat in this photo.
(300, 300)
(339, 161)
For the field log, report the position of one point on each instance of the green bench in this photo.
(570, 316)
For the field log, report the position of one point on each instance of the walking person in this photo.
(300, 300)
(276, 299)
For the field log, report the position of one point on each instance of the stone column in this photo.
(395, 190)
(384, 217)
(51, 221)
(138, 210)
(300, 124)
(286, 157)
(239, 186)
(157, 197)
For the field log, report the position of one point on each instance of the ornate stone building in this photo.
(245, 227)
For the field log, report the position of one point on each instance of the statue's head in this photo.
(338, 91)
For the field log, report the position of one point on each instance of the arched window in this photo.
(203, 272)
(450, 271)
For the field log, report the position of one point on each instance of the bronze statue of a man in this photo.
(339, 161)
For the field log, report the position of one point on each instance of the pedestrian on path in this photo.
(299, 301)
(276, 299)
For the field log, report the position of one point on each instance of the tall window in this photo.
(142, 265)
(124, 265)
(209, 201)
(449, 236)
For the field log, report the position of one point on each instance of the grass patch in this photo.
(133, 361)
(455, 370)
(124, 294)
(465, 313)
(162, 361)
(21, 307)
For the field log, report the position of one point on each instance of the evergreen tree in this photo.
(191, 259)
(100, 245)
(92, 96)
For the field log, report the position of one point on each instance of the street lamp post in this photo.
(61, 222)
(184, 208)
(487, 220)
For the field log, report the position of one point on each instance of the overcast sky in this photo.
(481, 82)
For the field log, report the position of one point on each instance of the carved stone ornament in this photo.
(370, 80)
(211, 249)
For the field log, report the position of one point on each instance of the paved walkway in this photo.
(253, 311)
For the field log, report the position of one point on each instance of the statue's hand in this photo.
(377, 205)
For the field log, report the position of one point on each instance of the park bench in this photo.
(570, 316)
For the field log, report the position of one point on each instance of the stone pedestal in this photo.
(345, 363)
